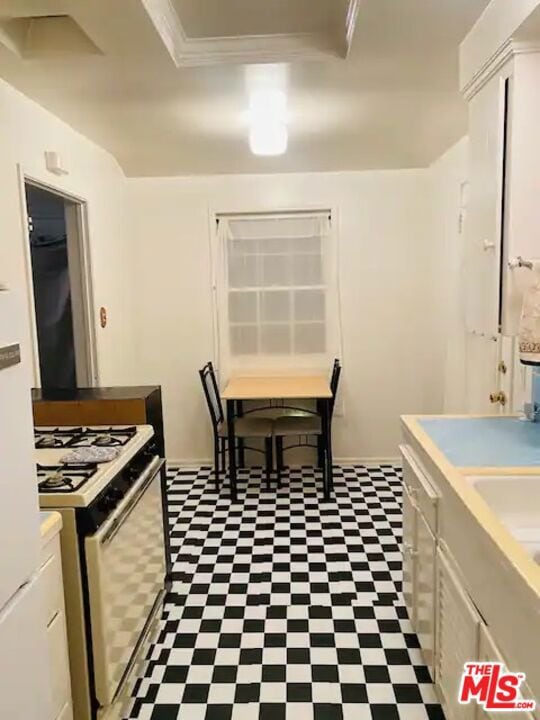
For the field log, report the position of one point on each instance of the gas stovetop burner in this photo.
(64, 478)
(49, 441)
(106, 441)
(54, 480)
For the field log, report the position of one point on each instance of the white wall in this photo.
(151, 264)
(26, 131)
(447, 176)
(391, 363)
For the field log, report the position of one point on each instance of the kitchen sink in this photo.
(515, 500)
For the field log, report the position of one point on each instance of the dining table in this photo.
(276, 388)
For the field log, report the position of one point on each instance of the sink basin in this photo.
(515, 500)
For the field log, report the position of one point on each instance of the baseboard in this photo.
(367, 461)
(190, 463)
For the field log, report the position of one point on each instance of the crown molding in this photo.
(186, 51)
(498, 60)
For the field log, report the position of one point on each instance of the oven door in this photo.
(126, 575)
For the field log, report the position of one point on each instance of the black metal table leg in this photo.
(325, 418)
(320, 439)
(241, 443)
(329, 451)
(232, 449)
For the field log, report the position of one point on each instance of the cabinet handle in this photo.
(488, 245)
(407, 547)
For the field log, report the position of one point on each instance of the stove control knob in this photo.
(133, 472)
(105, 505)
(116, 495)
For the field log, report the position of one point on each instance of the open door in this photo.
(60, 289)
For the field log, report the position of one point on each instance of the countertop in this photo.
(119, 392)
(429, 431)
(486, 442)
(50, 525)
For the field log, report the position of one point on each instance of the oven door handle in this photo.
(121, 514)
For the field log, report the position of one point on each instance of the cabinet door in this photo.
(425, 591)
(24, 680)
(409, 553)
(484, 214)
(482, 375)
(458, 626)
(58, 664)
(489, 652)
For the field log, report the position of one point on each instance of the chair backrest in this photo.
(334, 382)
(211, 393)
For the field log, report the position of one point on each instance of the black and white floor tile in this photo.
(286, 607)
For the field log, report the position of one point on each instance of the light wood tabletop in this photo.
(244, 387)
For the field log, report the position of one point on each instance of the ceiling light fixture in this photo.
(268, 133)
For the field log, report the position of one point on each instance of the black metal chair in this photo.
(244, 427)
(305, 427)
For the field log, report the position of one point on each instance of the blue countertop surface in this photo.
(486, 442)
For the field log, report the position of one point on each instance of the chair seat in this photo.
(298, 426)
(249, 427)
(276, 413)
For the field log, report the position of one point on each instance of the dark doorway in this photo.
(57, 294)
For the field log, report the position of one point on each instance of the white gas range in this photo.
(115, 552)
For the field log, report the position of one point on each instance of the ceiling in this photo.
(163, 85)
(205, 18)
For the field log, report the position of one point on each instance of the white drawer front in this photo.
(50, 580)
(59, 664)
(48, 550)
(420, 487)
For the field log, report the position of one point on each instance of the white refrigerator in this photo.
(24, 691)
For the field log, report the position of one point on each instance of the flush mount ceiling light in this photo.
(268, 139)
(268, 133)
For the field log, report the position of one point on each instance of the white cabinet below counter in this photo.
(420, 501)
(52, 592)
(459, 588)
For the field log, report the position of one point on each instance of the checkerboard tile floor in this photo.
(286, 607)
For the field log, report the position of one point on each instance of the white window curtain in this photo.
(278, 299)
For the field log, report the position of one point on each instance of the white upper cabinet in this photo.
(503, 216)
(522, 221)
(484, 229)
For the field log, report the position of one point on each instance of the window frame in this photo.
(274, 363)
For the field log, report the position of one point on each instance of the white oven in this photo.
(115, 555)
(126, 567)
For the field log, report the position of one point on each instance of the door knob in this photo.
(498, 397)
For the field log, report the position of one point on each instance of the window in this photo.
(277, 303)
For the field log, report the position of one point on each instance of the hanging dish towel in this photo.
(529, 331)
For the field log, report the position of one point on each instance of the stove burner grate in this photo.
(57, 437)
(73, 437)
(64, 478)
